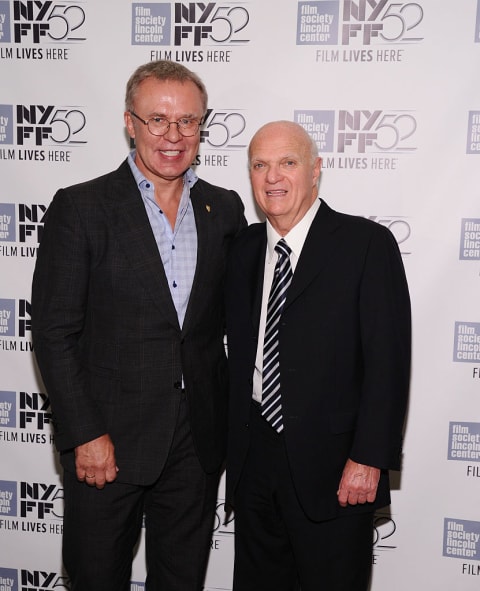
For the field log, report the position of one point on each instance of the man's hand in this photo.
(358, 484)
(95, 462)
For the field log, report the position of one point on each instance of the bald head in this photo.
(284, 172)
(287, 127)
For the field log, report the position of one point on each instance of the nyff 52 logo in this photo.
(43, 125)
(211, 22)
(375, 131)
(31, 499)
(360, 131)
(34, 410)
(15, 318)
(31, 580)
(41, 501)
(21, 222)
(384, 528)
(200, 22)
(222, 129)
(34, 580)
(386, 20)
(33, 21)
(365, 22)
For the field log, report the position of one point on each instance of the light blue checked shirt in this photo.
(177, 247)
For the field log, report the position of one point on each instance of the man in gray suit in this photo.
(128, 322)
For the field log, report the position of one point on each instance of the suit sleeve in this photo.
(59, 305)
(385, 327)
(239, 211)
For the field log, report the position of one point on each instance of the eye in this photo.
(158, 120)
(186, 122)
(257, 165)
(289, 163)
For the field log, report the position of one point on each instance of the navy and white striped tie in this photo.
(271, 408)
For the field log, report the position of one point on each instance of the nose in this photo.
(173, 135)
(273, 174)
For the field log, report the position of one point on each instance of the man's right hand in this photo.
(95, 461)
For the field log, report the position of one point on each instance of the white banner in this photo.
(390, 90)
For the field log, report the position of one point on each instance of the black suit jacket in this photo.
(344, 355)
(106, 333)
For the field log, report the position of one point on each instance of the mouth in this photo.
(170, 153)
(276, 193)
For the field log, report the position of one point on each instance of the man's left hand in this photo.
(358, 484)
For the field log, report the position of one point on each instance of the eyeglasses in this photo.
(160, 125)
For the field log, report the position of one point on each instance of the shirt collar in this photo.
(297, 235)
(189, 177)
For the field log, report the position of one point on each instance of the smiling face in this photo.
(284, 173)
(164, 159)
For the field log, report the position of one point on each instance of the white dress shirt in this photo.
(295, 240)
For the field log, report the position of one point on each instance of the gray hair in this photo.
(163, 70)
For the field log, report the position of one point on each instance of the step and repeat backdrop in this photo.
(390, 90)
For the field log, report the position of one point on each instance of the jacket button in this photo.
(177, 385)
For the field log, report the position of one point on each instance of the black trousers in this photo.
(101, 527)
(277, 547)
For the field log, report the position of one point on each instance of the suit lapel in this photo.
(205, 215)
(137, 241)
(254, 249)
(317, 251)
(257, 276)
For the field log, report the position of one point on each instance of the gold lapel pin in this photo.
(207, 207)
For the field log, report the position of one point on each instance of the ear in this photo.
(317, 167)
(129, 124)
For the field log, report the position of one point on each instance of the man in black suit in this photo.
(128, 326)
(319, 378)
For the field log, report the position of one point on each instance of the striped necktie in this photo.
(271, 407)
